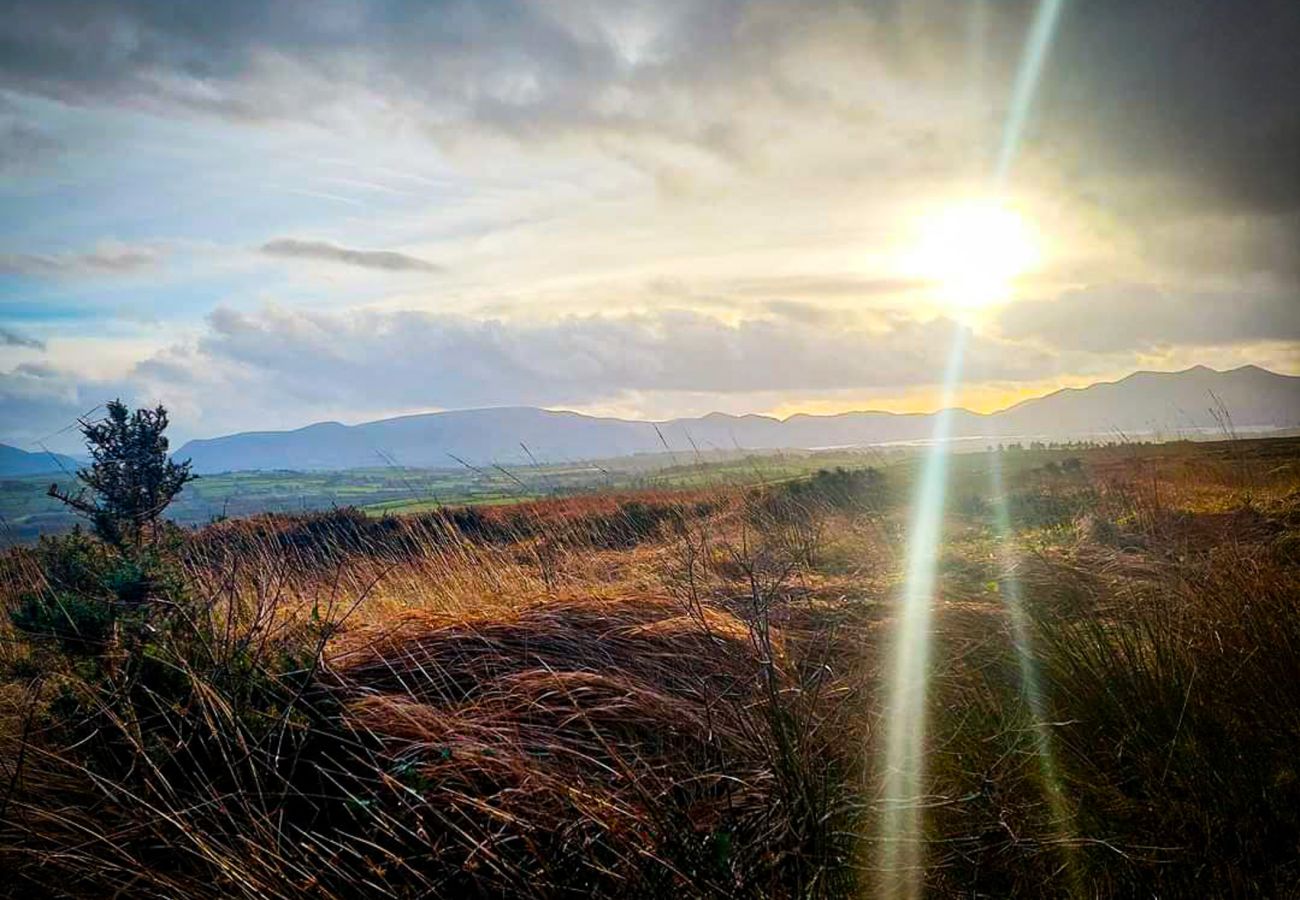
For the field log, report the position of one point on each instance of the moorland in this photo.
(674, 688)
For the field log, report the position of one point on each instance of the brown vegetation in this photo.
(681, 693)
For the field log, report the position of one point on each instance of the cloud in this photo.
(1191, 101)
(384, 260)
(23, 146)
(37, 402)
(1115, 318)
(408, 358)
(678, 90)
(109, 258)
(1190, 92)
(281, 367)
(14, 339)
(1248, 245)
(1189, 84)
(755, 158)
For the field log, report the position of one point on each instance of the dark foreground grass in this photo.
(678, 694)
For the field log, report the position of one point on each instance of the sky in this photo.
(266, 214)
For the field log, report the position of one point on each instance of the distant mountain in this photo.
(1166, 404)
(20, 462)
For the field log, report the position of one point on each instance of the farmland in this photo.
(27, 512)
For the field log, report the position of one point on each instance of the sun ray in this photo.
(1032, 60)
(901, 827)
(1062, 819)
(901, 856)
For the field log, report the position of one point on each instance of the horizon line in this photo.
(777, 419)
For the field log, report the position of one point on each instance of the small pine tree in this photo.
(131, 479)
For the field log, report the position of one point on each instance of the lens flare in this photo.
(1022, 94)
(1062, 821)
(900, 832)
(900, 835)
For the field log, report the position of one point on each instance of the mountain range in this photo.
(1164, 404)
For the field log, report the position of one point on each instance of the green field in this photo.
(26, 512)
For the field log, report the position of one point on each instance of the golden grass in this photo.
(652, 694)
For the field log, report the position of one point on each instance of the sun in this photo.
(973, 252)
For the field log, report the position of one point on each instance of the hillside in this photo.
(20, 462)
(1167, 404)
(685, 693)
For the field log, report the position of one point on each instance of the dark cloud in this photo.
(217, 57)
(23, 147)
(1202, 94)
(386, 260)
(14, 339)
(1246, 245)
(107, 259)
(1117, 318)
(516, 68)
(1205, 87)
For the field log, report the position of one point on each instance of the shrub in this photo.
(793, 514)
(838, 488)
(631, 523)
(1047, 507)
(131, 479)
(79, 625)
(974, 506)
(88, 588)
